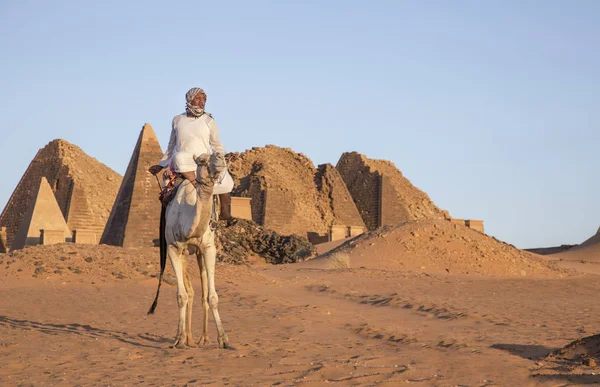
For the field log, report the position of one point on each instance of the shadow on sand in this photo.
(142, 340)
(531, 352)
(569, 380)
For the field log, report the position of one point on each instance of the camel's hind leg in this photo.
(210, 256)
(199, 256)
(179, 267)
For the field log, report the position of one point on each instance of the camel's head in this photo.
(209, 168)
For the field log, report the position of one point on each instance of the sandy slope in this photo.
(76, 315)
(438, 246)
(293, 325)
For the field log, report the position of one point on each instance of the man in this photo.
(194, 133)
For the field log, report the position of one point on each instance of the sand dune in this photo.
(438, 246)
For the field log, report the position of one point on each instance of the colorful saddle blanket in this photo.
(172, 181)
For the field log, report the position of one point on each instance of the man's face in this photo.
(199, 100)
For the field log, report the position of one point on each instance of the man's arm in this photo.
(164, 162)
(215, 139)
(166, 159)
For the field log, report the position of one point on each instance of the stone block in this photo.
(476, 225)
(3, 240)
(337, 232)
(241, 208)
(316, 238)
(85, 237)
(51, 237)
(461, 222)
(355, 230)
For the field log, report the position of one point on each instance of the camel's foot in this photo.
(179, 343)
(190, 342)
(203, 340)
(224, 342)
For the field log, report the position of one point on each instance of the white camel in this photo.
(186, 223)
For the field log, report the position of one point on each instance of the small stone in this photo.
(57, 271)
(590, 362)
(62, 258)
(89, 259)
(19, 269)
(39, 270)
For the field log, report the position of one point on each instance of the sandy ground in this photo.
(301, 324)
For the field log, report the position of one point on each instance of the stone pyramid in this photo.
(382, 194)
(291, 196)
(85, 189)
(135, 216)
(43, 213)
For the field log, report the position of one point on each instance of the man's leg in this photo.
(191, 176)
(225, 200)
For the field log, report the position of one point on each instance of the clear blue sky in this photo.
(492, 108)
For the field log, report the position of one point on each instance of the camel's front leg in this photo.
(182, 296)
(189, 338)
(210, 256)
(203, 278)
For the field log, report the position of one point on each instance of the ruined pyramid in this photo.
(43, 212)
(291, 196)
(135, 216)
(382, 194)
(85, 189)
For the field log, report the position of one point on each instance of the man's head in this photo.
(195, 100)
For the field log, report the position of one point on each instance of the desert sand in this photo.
(425, 303)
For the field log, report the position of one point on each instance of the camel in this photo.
(186, 221)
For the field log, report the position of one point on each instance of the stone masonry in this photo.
(382, 194)
(330, 183)
(85, 189)
(135, 216)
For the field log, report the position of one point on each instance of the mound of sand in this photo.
(585, 350)
(441, 246)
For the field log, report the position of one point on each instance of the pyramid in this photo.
(291, 196)
(331, 184)
(135, 215)
(43, 213)
(592, 240)
(85, 189)
(382, 194)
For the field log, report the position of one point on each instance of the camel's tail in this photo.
(163, 257)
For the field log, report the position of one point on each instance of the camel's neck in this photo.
(203, 210)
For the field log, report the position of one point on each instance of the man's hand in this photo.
(155, 169)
